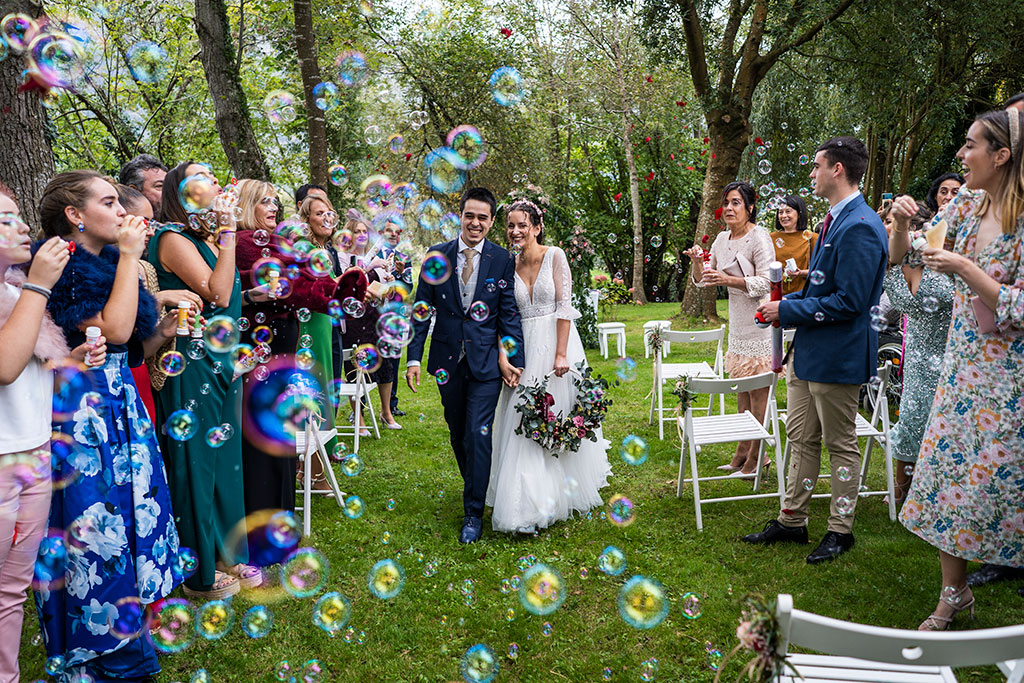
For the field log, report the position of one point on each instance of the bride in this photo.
(530, 488)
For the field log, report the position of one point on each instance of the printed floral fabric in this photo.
(111, 499)
(967, 496)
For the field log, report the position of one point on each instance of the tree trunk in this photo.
(639, 296)
(231, 111)
(28, 158)
(730, 134)
(309, 68)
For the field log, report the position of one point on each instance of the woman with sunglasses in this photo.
(300, 286)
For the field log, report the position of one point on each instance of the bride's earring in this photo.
(81, 226)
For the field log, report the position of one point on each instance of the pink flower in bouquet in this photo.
(578, 420)
(581, 433)
(550, 417)
(601, 278)
(749, 638)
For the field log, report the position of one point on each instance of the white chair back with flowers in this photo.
(697, 432)
(668, 373)
(858, 652)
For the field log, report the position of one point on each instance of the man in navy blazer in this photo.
(834, 350)
(475, 306)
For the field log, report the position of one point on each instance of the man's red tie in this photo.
(824, 227)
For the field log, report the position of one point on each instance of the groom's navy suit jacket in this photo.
(454, 329)
(834, 342)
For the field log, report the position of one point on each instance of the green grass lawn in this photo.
(890, 578)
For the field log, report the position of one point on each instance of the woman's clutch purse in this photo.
(740, 267)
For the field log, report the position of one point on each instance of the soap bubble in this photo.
(304, 572)
(808, 484)
(279, 405)
(642, 602)
(844, 474)
(468, 145)
(441, 376)
(479, 311)
(172, 363)
(510, 345)
(691, 605)
(148, 62)
(634, 450)
(764, 166)
(353, 508)
(396, 144)
(428, 214)
(176, 618)
(386, 579)
(819, 316)
(283, 529)
(804, 160)
(507, 86)
(54, 665)
(51, 562)
(326, 96)
(620, 510)
(543, 589)
(625, 369)
(656, 241)
(612, 561)
(817, 277)
(279, 106)
(56, 59)
(844, 506)
(930, 304)
(350, 69)
(332, 612)
(214, 619)
(196, 192)
(436, 268)
(182, 425)
(257, 621)
(373, 135)
(130, 618)
(443, 173)
(16, 30)
(283, 671)
(479, 665)
(221, 334)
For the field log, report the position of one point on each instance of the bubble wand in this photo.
(775, 278)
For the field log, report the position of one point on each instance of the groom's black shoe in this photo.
(776, 532)
(472, 529)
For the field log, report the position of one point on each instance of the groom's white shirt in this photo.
(466, 291)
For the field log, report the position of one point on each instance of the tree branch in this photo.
(766, 61)
(695, 52)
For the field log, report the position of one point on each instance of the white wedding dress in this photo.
(529, 488)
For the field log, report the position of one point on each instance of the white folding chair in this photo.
(875, 430)
(357, 392)
(701, 431)
(858, 652)
(649, 327)
(669, 372)
(309, 444)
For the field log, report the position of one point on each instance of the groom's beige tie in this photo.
(467, 269)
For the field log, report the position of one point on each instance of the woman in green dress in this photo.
(204, 474)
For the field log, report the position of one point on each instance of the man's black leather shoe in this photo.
(776, 532)
(991, 573)
(832, 546)
(472, 529)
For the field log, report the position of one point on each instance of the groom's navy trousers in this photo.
(467, 350)
(469, 411)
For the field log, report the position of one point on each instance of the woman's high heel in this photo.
(957, 600)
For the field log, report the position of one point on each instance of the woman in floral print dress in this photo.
(967, 497)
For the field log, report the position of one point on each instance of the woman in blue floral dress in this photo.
(110, 494)
(967, 497)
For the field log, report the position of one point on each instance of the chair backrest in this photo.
(896, 646)
(788, 334)
(701, 385)
(881, 398)
(693, 337)
(594, 297)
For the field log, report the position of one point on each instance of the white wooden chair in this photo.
(309, 444)
(857, 652)
(357, 392)
(701, 431)
(876, 430)
(669, 372)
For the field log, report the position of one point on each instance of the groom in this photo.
(464, 349)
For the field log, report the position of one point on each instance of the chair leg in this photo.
(373, 415)
(696, 486)
(325, 462)
(866, 461)
(682, 468)
(357, 414)
(660, 413)
(622, 345)
(307, 490)
(602, 344)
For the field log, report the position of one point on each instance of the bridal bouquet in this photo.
(557, 433)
